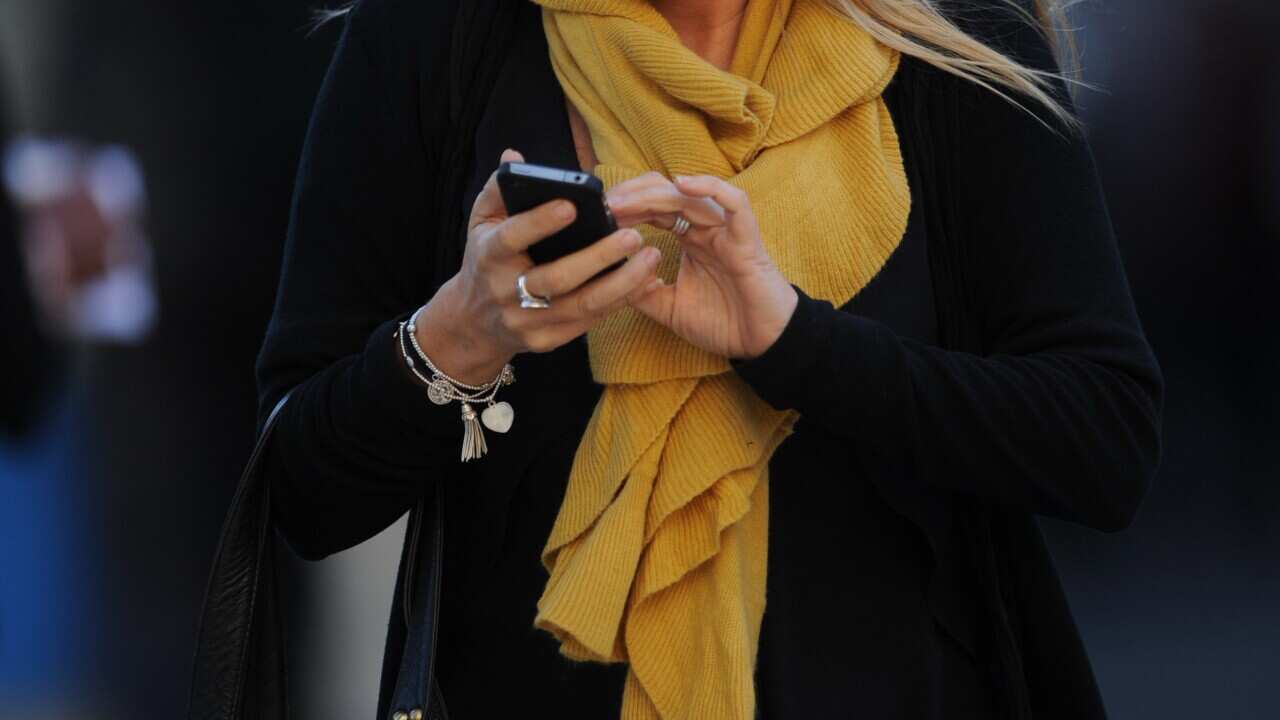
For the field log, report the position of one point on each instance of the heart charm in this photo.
(498, 417)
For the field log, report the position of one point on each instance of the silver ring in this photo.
(528, 299)
(681, 225)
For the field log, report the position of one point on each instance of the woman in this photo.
(871, 319)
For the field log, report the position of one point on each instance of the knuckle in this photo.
(549, 212)
(540, 342)
(496, 288)
(552, 281)
(544, 220)
(500, 236)
(511, 231)
(622, 302)
(587, 305)
(528, 338)
(634, 295)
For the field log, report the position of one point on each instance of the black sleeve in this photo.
(358, 437)
(1059, 413)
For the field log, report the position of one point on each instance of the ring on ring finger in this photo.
(681, 225)
(528, 299)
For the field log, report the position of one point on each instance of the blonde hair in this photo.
(919, 29)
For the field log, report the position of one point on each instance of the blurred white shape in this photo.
(118, 307)
(88, 256)
(115, 181)
(40, 171)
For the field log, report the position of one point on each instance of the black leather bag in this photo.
(240, 653)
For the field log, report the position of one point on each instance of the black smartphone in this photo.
(525, 186)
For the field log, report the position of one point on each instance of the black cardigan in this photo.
(1040, 395)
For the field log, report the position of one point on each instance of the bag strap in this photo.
(422, 613)
(239, 671)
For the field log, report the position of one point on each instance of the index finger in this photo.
(639, 182)
(515, 234)
(734, 200)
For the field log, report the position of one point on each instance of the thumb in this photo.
(656, 301)
(488, 206)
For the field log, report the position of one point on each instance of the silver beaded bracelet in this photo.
(442, 390)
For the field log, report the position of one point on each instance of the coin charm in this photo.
(438, 392)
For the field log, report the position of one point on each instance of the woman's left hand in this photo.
(728, 297)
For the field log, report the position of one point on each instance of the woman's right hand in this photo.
(474, 325)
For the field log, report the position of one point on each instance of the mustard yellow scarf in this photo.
(658, 555)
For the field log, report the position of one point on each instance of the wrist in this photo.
(454, 343)
(782, 306)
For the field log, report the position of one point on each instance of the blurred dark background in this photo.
(113, 494)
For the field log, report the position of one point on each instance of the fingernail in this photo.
(632, 239)
(679, 179)
(650, 254)
(564, 210)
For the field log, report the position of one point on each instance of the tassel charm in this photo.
(442, 390)
(473, 444)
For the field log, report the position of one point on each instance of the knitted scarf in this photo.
(658, 555)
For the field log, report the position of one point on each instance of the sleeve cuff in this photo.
(789, 363)
(394, 389)
(840, 370)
